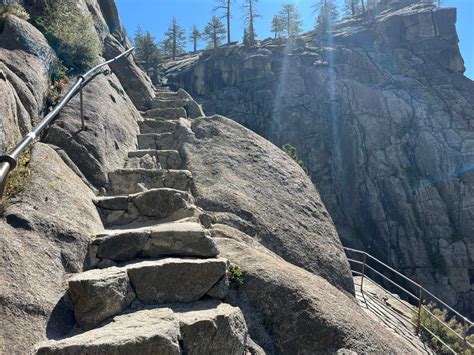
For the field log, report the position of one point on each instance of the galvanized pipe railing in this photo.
(8, 162)
(423, 294)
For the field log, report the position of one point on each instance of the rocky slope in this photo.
(381, 114)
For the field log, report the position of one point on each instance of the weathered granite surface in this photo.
(382, 116)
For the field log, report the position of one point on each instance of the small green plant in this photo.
(291, 151)
(236, 276)
(71, 33)
(440, 330)
(12, 9)
(54, 93)
(18, 179)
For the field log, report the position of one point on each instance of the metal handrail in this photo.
(419, 299)
(8, 162)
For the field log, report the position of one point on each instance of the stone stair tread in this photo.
(99, 294)
(168, 159)
(136, 180)
(158, 141)
(175, 239)
(170, 102)
(170, 113)
(198, 328)
(159, 204)
(157, 126)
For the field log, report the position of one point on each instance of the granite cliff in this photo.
(381, 114)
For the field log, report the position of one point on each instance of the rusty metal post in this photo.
(420, 304)
(364, 259)
(81, 99)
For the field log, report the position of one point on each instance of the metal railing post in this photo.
(364, 259)
(420, 304)
(81, 99)
(465, 330)
(4, 171)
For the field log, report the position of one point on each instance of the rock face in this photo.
(382, 117)
(44, 235)
(137, 85)
(25, 62)
(292, 311)
(111, 120)
(244, 181)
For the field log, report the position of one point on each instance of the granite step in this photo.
(168, 159)
(167, 239)
(159, 205)
(158, 141)
(99, 294)
(202, 327)
(130, 181)
(157, 126)
(166, 113)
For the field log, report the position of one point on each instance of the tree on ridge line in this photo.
(226, 6)
(214, 32)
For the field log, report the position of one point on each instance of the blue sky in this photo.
(155, 15)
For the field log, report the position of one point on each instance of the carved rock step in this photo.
(193, 109)
(157, 126)
(159, 141)
(97, 295)
(168, 159)
(145, 161)
(171, 102)
(167, 113)
(168, 239)
(205, 327)
(130, 181)
(161, 205)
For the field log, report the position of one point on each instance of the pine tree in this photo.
(278, 25)
(195, 36)
(214, 32)
(175, 40)
(226, 6)
(250, 14)
(246, 39)
(327, 15)
(292, 17)
(147, 53)
(351, 7)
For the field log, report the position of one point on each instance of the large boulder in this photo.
(25, 63)
(45, 234)
(135, 82)
(244, 181)
(111, 129)
(292, 311)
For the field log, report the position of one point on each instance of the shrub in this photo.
(12, 9)
(236, 276)
(71, 33)
(429, 322)
(18, 179)
(291, 151)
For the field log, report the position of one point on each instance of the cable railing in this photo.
(8, 162)
(420, 297)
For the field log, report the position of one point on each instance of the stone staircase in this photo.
(156, 282)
